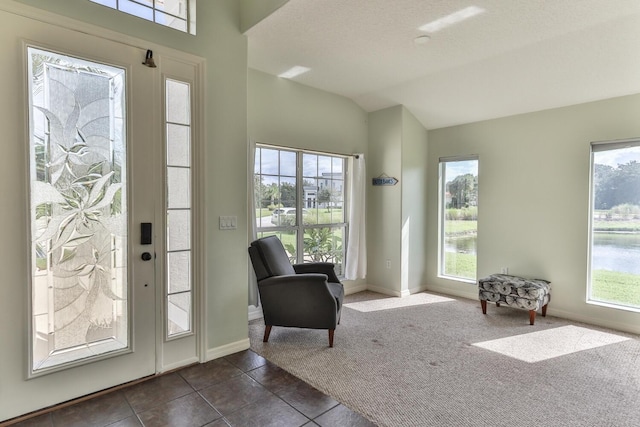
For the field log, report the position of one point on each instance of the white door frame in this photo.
(17, 394)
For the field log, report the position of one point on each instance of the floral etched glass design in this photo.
(78, 209)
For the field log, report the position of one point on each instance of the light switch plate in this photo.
(228, 222)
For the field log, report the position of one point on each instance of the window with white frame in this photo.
(458, 222)
(614, 278)
(299, 197)
(177, 14)
(179, 290)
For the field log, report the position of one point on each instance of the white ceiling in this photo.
(516, 57)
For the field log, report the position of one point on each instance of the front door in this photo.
(107, 295)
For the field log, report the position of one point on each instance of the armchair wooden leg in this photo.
(267, 331)
(331, 331)
(532, 317)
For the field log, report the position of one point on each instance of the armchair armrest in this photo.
(310, 279)
(300, 300)
(318, 267)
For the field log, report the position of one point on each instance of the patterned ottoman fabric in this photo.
(514, 291)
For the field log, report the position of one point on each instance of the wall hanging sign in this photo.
(384, 179)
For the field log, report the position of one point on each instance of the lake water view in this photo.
(616, 252)
(611, 251)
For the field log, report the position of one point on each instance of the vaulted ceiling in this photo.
(516, 56)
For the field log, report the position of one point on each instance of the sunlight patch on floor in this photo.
(391, 303)
(550, 343)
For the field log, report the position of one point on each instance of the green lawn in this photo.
(616, 287)
(323, 216)
(313, 216)
(460, 265)
(285, 236)
(263, 212)
(627, 225)
(460, 227)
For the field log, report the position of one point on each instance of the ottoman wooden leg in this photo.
(483, 303)
(544, 307)
(532, 317)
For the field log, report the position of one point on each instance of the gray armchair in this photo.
(306, 295)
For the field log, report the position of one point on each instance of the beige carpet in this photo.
(429, 360)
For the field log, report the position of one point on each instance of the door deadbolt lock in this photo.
(146, 256)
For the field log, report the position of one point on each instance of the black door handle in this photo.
(145, 233)
(146, 256)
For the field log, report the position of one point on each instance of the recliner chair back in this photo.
(269, 258)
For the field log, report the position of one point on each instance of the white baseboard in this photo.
(227, 349)
(348, 290)
(623, 327)
(417, 290)
(453, 292)
(383, 291)
(255, 312)
(563, 314)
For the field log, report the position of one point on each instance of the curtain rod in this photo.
(357, 156)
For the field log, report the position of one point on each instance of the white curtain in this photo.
(253, 234)
(356, 258)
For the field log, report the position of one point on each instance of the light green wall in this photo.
(285, 113)
(396, 215)
(384, 213)
(534, 198)
(224, 48)
(414, 204)
(254, 11)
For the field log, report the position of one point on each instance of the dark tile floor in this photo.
(242, 389)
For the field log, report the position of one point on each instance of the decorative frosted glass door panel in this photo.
(78, 209)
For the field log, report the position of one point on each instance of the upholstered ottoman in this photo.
(514, 291)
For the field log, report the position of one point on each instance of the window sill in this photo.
(458, 279)
(614, 306)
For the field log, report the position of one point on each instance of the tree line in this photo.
(463, 191)
(284, 195)
(614, 186)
